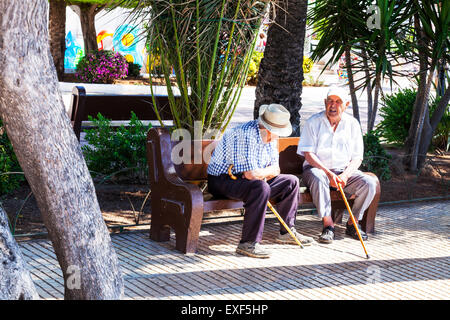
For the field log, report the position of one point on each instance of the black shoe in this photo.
(327, 235)
(351, 231)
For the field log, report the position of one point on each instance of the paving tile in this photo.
(409, 260)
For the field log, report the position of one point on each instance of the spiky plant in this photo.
(209, 44)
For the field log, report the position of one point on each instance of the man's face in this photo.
(334, 107)
(267, 136)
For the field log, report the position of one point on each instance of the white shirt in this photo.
(335, 149)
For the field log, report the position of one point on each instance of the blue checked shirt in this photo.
(243, 147)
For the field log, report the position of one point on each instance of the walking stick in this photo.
(232, 176)
(284, 224)
(353, 219)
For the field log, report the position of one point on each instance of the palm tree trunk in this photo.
(57, 33)
(351, 82)
(48, 151)
(280, 73)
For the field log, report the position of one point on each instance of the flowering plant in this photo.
(103, 66)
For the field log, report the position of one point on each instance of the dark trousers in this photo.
(255, 194)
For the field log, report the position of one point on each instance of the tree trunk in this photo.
(376, 98)
(421, 92)
(280, 73)
(15, 279)
(368, 87)
(351, 82)
(423, 121)
(430, 127)
(48, 151)
(87, 15)
(57, 33)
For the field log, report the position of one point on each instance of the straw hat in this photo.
(275, 118)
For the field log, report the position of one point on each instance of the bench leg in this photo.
(186, 242)
(368, 221)
(159, 232)
(187, 234)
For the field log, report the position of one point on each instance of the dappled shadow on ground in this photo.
(294, 277)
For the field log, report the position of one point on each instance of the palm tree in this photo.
(343, 28)
(380, 49)
(280, 73)
(337, 23)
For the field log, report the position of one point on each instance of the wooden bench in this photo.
(177, 201)
(116, 107)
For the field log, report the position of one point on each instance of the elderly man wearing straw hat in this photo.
(332, 144)
(252, 150)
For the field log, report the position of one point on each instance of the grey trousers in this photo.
(363, 186)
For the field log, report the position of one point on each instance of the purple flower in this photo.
(103, 66)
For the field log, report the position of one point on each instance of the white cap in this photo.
(340, 92)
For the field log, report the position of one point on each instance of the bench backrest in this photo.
(115, 107)
(290, 161)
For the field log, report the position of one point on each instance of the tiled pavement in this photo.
(410, 259)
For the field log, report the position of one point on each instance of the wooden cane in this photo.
(353, 219)
(232, 176)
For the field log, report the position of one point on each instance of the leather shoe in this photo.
(351, 231)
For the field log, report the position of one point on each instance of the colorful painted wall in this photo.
(113, 34)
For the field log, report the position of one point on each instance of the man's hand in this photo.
(344, 179)
(335, 180)
(263, 173)
(257, 174)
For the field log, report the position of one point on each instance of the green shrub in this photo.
(116, 152)
(397, 112)
(8, 163)
(376, 159)
(134, 69)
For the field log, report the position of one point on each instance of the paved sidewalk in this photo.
(410, 258)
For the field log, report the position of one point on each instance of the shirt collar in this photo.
(344, 118)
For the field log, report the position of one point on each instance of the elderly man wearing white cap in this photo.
(332, 144)
(252, 149)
